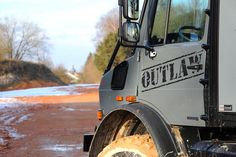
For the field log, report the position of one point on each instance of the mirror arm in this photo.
(121, 2)
(138, 46)
(113, 57)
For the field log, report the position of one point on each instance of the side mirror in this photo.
(131, 9)
(131, 32)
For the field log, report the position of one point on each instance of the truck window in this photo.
(186, 21)
(158, 30)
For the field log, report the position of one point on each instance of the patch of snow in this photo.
(14, 134)
(9, 120)
(62, 147)
(68, 109)
(10, 103)
(33, 92)
(2, 141)
(47, 91)
(24, 118)
(89, 85)
(4, 117)
(85, 110)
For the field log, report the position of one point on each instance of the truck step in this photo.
(214, 148)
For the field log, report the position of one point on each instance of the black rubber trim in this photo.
(119, 76)
(212, 70)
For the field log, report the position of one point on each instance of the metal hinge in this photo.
(138, 57)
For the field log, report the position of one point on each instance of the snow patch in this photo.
(2, 141)
(9, 120)
(62, 147)
(10, 103)
(14, 134)
(24, 118)
(47, 91)
(68, 109)
(4, 117)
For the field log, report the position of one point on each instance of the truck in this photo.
(175, 96)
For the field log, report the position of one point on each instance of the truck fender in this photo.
(158, 129)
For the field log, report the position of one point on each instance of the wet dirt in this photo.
(48, 126)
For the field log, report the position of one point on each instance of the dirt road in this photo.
(44, 128)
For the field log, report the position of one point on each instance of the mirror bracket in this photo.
(121, 3)
(148, 48)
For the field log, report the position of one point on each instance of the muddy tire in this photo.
(131, 146)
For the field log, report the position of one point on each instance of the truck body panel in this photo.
(227, 56)
(167, 78)
(107, 95)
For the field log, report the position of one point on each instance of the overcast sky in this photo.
(70, 24)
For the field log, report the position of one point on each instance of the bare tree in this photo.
(22, 40)
(109, 23)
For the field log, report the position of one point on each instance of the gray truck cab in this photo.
(179, 84)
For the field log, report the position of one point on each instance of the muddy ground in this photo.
(48, 126)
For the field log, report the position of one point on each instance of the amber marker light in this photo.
(119, 98)
(99, 114)
(131, 98)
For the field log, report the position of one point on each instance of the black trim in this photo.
(160, 132)
(214, 148)
(119, 76)
(228, 119)
(152, 14)
(113, 57)
(143, 12)
(212, 62)
(87, 142)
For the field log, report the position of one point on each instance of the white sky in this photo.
(70, 24)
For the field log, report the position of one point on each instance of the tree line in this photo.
(105, 40)
(21, 40)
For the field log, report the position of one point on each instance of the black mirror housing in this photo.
(131, 9)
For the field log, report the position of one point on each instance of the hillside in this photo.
(22, 75)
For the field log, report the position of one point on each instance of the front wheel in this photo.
(131, 146)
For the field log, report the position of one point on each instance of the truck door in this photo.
(169, 77)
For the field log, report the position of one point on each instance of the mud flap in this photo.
(87, 142)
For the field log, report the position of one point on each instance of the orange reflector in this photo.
(119, 98)
(99, 114)
(131, 98)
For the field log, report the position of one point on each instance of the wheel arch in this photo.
(152, 121)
